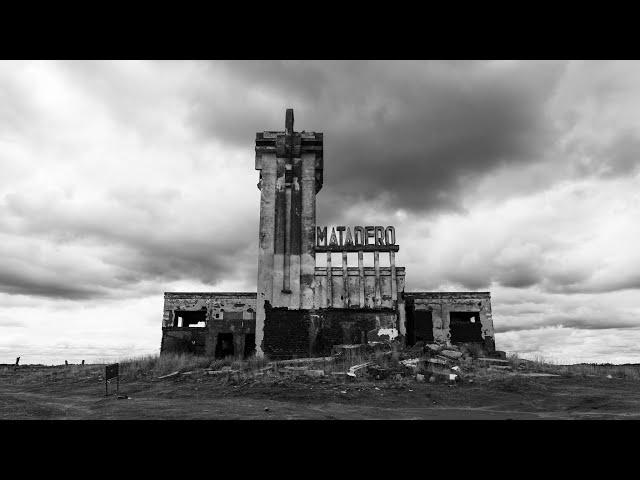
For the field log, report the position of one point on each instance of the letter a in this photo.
(334, 240)
(349, 240)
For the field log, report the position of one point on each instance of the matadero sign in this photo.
(363, 239)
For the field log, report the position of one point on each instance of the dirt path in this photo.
(205, 398)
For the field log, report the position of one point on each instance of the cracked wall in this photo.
(226, 313)
(441, 304)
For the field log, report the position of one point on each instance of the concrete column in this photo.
(345, 280)
(279, 228)
(265, 243)
(394, 286)
(402, 318)
(376, 265)
(361, 281)
(308, 236)
(329, 282)
(286, 265)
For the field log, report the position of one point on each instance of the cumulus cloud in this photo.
(121, 180)
(410, 131)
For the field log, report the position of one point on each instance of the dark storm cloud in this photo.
(587, 322)
(23, 284)
(133, 243)
(419, 132)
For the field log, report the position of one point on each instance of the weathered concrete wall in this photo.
(226, 312)
(442, 303)
(360, 290)
(290, 165)
(266, 163)
(304, 333)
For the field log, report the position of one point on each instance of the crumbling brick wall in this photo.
(226, 312)
(303, 333)
(441, 304)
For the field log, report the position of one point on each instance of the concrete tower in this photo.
(290, 165)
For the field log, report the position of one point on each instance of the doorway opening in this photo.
(423, 326)
(224, 346)
(249, 345)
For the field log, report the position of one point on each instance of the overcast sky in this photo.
(122, 180)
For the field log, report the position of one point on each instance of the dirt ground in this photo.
(52, 393)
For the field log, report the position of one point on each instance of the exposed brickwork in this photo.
(301, 333)
(226, 312)
(441, 304)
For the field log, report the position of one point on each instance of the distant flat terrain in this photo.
(75, 392)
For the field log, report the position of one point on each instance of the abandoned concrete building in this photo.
(302, 309)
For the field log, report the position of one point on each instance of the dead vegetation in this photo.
(379, 361)
(387, 381)
(386, 361)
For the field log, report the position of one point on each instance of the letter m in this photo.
(321, 237)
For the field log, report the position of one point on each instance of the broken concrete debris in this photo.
(453, 354)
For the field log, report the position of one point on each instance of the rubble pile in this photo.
(422, 362)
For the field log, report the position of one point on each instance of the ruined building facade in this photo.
(304, 303)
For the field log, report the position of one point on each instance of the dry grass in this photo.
(153, 366)
(540, 364)
(158, 365)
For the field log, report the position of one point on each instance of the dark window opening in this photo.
(249, 345)
(195, 319)
(465, 327)
(224, 346)
(423, 326)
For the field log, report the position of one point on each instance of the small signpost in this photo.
(111, 371)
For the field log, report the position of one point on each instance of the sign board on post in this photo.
(111, 371)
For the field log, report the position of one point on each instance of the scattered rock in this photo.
(452, 354)
(432, 379)
(266, 409)
(420, 377)
(358, 368)
(436, 361)
(432, 347)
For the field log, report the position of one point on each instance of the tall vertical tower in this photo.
(291, 168)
